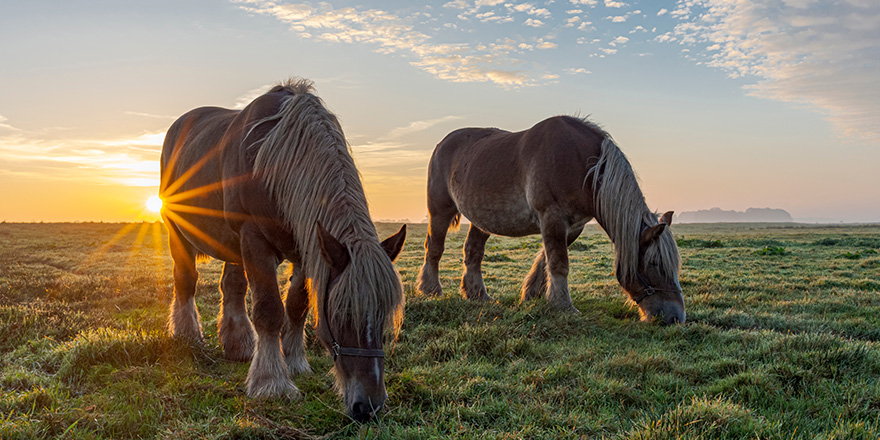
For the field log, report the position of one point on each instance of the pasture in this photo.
(781, 342)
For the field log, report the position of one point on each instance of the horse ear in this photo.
(651, 234)
(394, 243)
(332, 250)
(667, 217)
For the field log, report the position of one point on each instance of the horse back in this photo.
(190, 138)
(503, 181)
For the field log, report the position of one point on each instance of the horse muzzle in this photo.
(365, 410)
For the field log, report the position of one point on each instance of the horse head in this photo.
(356, 345)
(655, 288)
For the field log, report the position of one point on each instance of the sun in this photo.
(154, 204)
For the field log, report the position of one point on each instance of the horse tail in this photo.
(455, 222)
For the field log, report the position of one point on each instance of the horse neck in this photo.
(308, 171)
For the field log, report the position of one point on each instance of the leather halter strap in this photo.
(337, 350)
(648, 290)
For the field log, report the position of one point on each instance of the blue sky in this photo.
(752, 103)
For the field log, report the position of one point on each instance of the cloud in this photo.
(457, 4)
(589, 3)
(4, 125)
(616, 19)
(243, 100)
(800, 51)
(662, 11)
(150, 115)
(530, 9)
(417, 126)
(392, 34)
(577, 71)
(614, 4)
(132, 161)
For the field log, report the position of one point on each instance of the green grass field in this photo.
(781, 342)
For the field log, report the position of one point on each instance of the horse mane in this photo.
(305, 163)
(623, 214)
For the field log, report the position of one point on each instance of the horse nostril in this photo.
(364, 411)
(673, 318)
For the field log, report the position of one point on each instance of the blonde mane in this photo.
(305, 164)
(621, 210)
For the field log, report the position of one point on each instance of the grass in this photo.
(778, 344)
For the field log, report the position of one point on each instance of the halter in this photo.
(648, 290)
(337, 350)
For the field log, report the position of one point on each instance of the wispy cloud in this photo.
(577, 71)
(244, 99)
(417, 126)
(5, 126)
(816, 53)
(150, 115)
(130, 161)
(390, 33)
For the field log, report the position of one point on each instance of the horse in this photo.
(274, 181)
(551, 180)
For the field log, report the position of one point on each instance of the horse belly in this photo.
(508, 214)
(198, 215)
(212, 236)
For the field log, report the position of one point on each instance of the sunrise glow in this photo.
(154, 204)
(728, 104)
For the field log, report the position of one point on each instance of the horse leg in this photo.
(268, 375)
(555, 235)
(435, 242)
(472, 286)
(535, 284)
(292, 334)
(183, 316)
(233, 325)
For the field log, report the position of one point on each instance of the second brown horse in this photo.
(551, 180)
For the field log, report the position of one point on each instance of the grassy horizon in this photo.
(781, 342)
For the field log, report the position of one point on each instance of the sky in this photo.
(731, 104)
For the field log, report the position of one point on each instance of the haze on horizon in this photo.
(717, 103)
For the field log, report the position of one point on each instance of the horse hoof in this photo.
(297, 367)
(238, 354)
(432, 291)
(284, 388)
(568, 308)
(193, 339)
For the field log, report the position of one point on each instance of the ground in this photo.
(781, 342)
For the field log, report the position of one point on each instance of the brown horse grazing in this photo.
(276, 181)
(550, 179)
